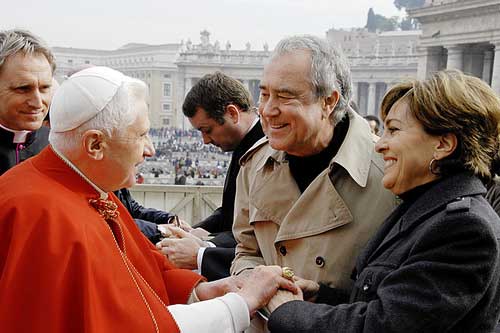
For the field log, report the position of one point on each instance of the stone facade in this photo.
(195, 61)
(378, 61)
(460, 34)
(170, 70)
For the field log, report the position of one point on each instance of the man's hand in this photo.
(256, 286)
(281, 297)
(309, 288)
(209, 290)
(185, 226)
(181, 248)
(261, 284)
(199, 232)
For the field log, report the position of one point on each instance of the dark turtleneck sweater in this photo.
(306, 168)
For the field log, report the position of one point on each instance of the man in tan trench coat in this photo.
(309, 196)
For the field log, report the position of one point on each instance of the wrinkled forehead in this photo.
(288, 71)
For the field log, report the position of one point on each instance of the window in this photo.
(70, 61)
(166, 76)
(166, 122)
(87, 61)
(167, 89)
(166, 108)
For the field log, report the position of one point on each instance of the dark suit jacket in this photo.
(217, 260)
(35, 142)
(433, 269)
(145, 218)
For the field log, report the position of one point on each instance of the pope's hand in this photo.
(260, 284)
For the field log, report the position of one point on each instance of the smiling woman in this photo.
(433, 265)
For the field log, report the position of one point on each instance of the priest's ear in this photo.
(93, 143)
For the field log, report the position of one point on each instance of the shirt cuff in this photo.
(226, 314)
(199, 259)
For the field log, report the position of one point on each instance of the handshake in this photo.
(262, 286)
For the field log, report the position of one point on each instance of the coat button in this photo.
(320, 261)
(283, 250)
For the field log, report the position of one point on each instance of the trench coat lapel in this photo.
(283, 204)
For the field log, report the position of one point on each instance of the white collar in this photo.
(19, 136)
(103, 195)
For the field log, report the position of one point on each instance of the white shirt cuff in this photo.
(199, 257)
(226, 314)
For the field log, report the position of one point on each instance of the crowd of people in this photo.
(183, 159)
(327, 223)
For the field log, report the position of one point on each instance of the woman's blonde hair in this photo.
(452, 102)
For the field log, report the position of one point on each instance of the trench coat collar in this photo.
(278, 198)
(354, 155)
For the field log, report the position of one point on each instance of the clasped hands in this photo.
(261, 286)
(181, 247)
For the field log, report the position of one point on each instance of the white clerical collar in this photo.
(19, 136)
(103, 195)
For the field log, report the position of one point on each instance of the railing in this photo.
(191, 203)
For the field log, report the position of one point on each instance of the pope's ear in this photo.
(93, 142)
(446, 145)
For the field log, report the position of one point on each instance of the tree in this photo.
(376, 22)
(407, 23)
(371, 25)
(408, 4)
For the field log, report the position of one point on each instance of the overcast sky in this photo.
(109, 24)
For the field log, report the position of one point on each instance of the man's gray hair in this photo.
(329, 69)
(17, 40)
(113, 120)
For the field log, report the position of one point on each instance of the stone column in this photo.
(355, 93)
(372, 90)
(455, 57)
(487, 66)
(246, 83)
(428, 61)
(495, 77)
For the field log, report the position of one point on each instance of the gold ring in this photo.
(287, 273)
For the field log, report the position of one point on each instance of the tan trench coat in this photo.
(320, 232)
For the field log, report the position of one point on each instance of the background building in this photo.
(378, 60)
(460, 34)
(153, 64)
(170, 70)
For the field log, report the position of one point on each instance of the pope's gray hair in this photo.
(114, 119)
(329, 69)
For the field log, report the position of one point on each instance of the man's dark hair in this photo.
(213, 93)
